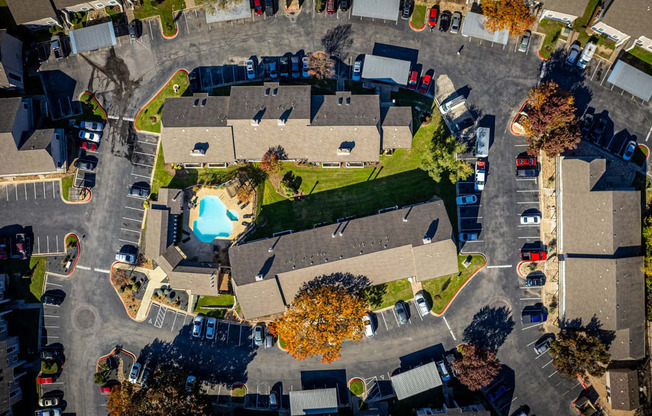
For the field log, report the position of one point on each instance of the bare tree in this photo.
(321, 65)
(337, 40)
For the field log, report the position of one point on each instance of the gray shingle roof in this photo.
(93, 37)
(418, 380)
(156, 235)
(215, 144)
(270, 102)
(260, 299)
(199, 110)
(623, 386)
(313, 402)
(8, 111)
(633, 17)
(25, 11)
(197, 278)
(376, 9)
(344, 109)
(171, 198)
(573, 7)
(397, 127)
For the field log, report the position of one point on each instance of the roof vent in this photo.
(426, 239)
(259, 277)
(343, 151)
(341, 232)
(197, 152)
(348, 100)
(334, 234)
(271, 249)
(281, 122)
(196, 103)
(275, 91)
(203, 102)
(254, 122)
(405, 218)
(267, 91)
(339, 101)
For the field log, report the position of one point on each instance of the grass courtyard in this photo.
(149, 118)
(443, 289)
(25, 278)
(205, 303)
(165, 9)
(387, 294)
(419, 16)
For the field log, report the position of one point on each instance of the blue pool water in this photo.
(214, 220)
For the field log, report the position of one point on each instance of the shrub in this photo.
(133, 279)
(128, 288)
(101, 377)
(121, 290)
(49, 367)
(157, 292)
(136, 287)
(166, 292)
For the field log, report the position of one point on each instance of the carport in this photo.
(632, 80)
(416, 381)
(313, 402)
(474, 26)
(379, 68)
(376, 9)
(92, 37)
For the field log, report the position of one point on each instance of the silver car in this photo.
(197, 326)
(93, 126)
(210, 328)
(125, 257)
(525, 41)
(258, 335)
(456, 22)
(422, 304)
(368, 326)
(133, 375)
(251, 72)
(90, 136)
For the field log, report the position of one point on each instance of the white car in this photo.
(305, 67)
(210, 328)
(197, 326)
(90, 136)
(533, 219)
(48, 402)
(587, 55)
(466, 199)
(92, 126)
(573, 54)
(135, 370)
(368, 326)
(48, 412)
(125, 257)
(422, 304)
(479, 177)
(357, 70)
(468, 237)
(251, 72)
(629, 150)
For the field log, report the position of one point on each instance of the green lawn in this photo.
(583, 21)
(442, 289)
(356, 387)
(642, 59)
(149, 118)
(92, 110)
(222, 300)
(164, 9)
(66, 183)
(20, 285)
(419, 16)
(552, 29)
(387, 294)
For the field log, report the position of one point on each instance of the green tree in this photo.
(441, 159)
(576, 351)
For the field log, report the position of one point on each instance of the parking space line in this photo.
(140, 176)
(131, 219)
(57, 239)
(531, 326)
(16, 188)
(552, 374)
(383, 316)
(175, 321)
(51, 326)
(127, 241)
(54, 284)
(51, 316)
(530, 298)
(529, 202)
(415, 308)
(152, 143)
(527, 238)
(53, 188)
(500, 266)
(396, 317)
(83, 267)
(135, 209)
(474, 241)
(240, 337)
(131, 231)
(449, 328)
(228, 330)
(6, 188)
(102, 270)
(527, 190)
(472, 218)
(44, 197)
(142, 164)
(526, 179)
(38, 243)
(532, 342)
(547, 364)
(34, 190)
(25, 190)
(47, 238)
(146, 154)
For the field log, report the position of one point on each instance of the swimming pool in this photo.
(214, 220)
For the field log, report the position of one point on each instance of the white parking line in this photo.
(416, 309)
(527, 238)
(228, 330)
(135, 209)
(529, 202)
(474, 241)
(140, 176)
(470, 218)
(531, 326)
(38, 243)
(131, 219)
(383, 316)
(102, 270)
(16, 188)
(131, 231)
(83, 267)
(521, 145)
(500, 266)
(34, 190)
(648, 134)
(127, 241)
(528, 225)
(44, 197)
(526, 179)
(539, 356)
(449, 328)
(47, 238)
(240, 337)
(142, 164)
(51, 326)
(54, 284)
(552, 374)
(527, 190)
(146, 154)
(396, 317)
(547, 364)
(25, 190)
(51, 316)
(532, 342)
(539, 298)
(154, 144)
(175, 321)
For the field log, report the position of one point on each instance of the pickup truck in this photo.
(537, 255)
(534, 315)
(480, 173)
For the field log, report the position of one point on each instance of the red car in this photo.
(258, 7)
(425, 84)
(331, 6)
(432, 17)
(526, 161)
(21, 243)
(106, 389)
(89, 146)
(4, 248)
(538, 255)
(44, 380)
(414, 80)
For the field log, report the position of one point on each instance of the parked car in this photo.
(269, 8)
(445, 21)
(251, 70)
(406, 10)
(629, 150)
(422, 304)
(269, 341)
(139, 190)
(496, 394)
(480, 174)
(345, 4)
(258, 332)
(587, 55)
(534, 314)
(305, 67)
(357, 71)
(272, 69)
(413, 81)
(211, 323)
(526, 173)
(135, 371)
(425, 83)
(273, 400)
(91, 147)
(85, 164)
(197, 326)
(587, 122)
(258, 7)
(466, 199)
(93, 126)
(331, 6)
(598, 129)
(135, 29)
(535, 280)
(526, 161)
(573, 54)
(525, 41)
(368, 325)
(543, 344)
(296, 73)
(48, 401)
(443, 371)
(450, 359)
(461, 126)
(190, 383)
(401, 312)
(456, 22)
(90, 136)
(4, 248)
(533, 255)
(48, 354)
(105, 389)
(44, 380)
(57, 52)
(52, 299)
(125, 257)
(20, 246)
(432, 17)
(48, 412)
(530, 219)
(145, 376)
(285, 66)
(468, 237)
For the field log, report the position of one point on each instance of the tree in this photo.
(321, 65)
(551, 124)
(211, 5)
(647, 238)
(271, 162)
(165, 394)
(511, 15)
(477, 368)
(440, 157)
(577, 351)
(319, 320)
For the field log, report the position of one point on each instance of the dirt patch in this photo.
(130, 291)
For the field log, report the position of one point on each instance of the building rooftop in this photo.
(270, 102)
(396, 127)
(376, 9)
(90, 38)
(156, 236)
(313, 402)
(632, 80)
(197, 278)
(379, 68)
(633, 17)
(199, 110)
(415, 381)
(623, 389)
(572, 7)
(26, 11)
(344, 109)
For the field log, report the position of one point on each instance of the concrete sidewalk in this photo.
(155, 280)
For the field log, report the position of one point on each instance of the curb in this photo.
(176, 30)
(97, 363)
(116, 292)
(463, 286)
(85, 201)
(518, 269)
(72, 269)
(151, 99)
(96, 102)
(416, 29)
(541, 57)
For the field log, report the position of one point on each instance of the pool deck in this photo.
(231, 204)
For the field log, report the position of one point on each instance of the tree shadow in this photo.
(374, 295)
(489, 328)
(356, 285)
(592, 328)
(337, 40)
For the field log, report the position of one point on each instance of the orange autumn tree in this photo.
(511, 15)
(319, 320)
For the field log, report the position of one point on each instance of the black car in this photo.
(406, 10)
(535, 280)
(462, 125)
(135, 29)
(48, 354)
(445, 21)
(345, 5)
(526, 173)
(543, 343)
(51, 299)
(269, 7)
(139, 190)
(598, 130)
(285, 66)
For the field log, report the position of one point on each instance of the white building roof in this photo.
(376, 9)
(473, 26)
(632, 80)
(313, 402)
(92, 37)
(379, 68)
(416, 381)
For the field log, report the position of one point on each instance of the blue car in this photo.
(445, 375)
(357, 71)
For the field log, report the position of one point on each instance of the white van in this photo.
(453, 103)
(587, 54)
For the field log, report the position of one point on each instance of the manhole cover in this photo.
(85, 318)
